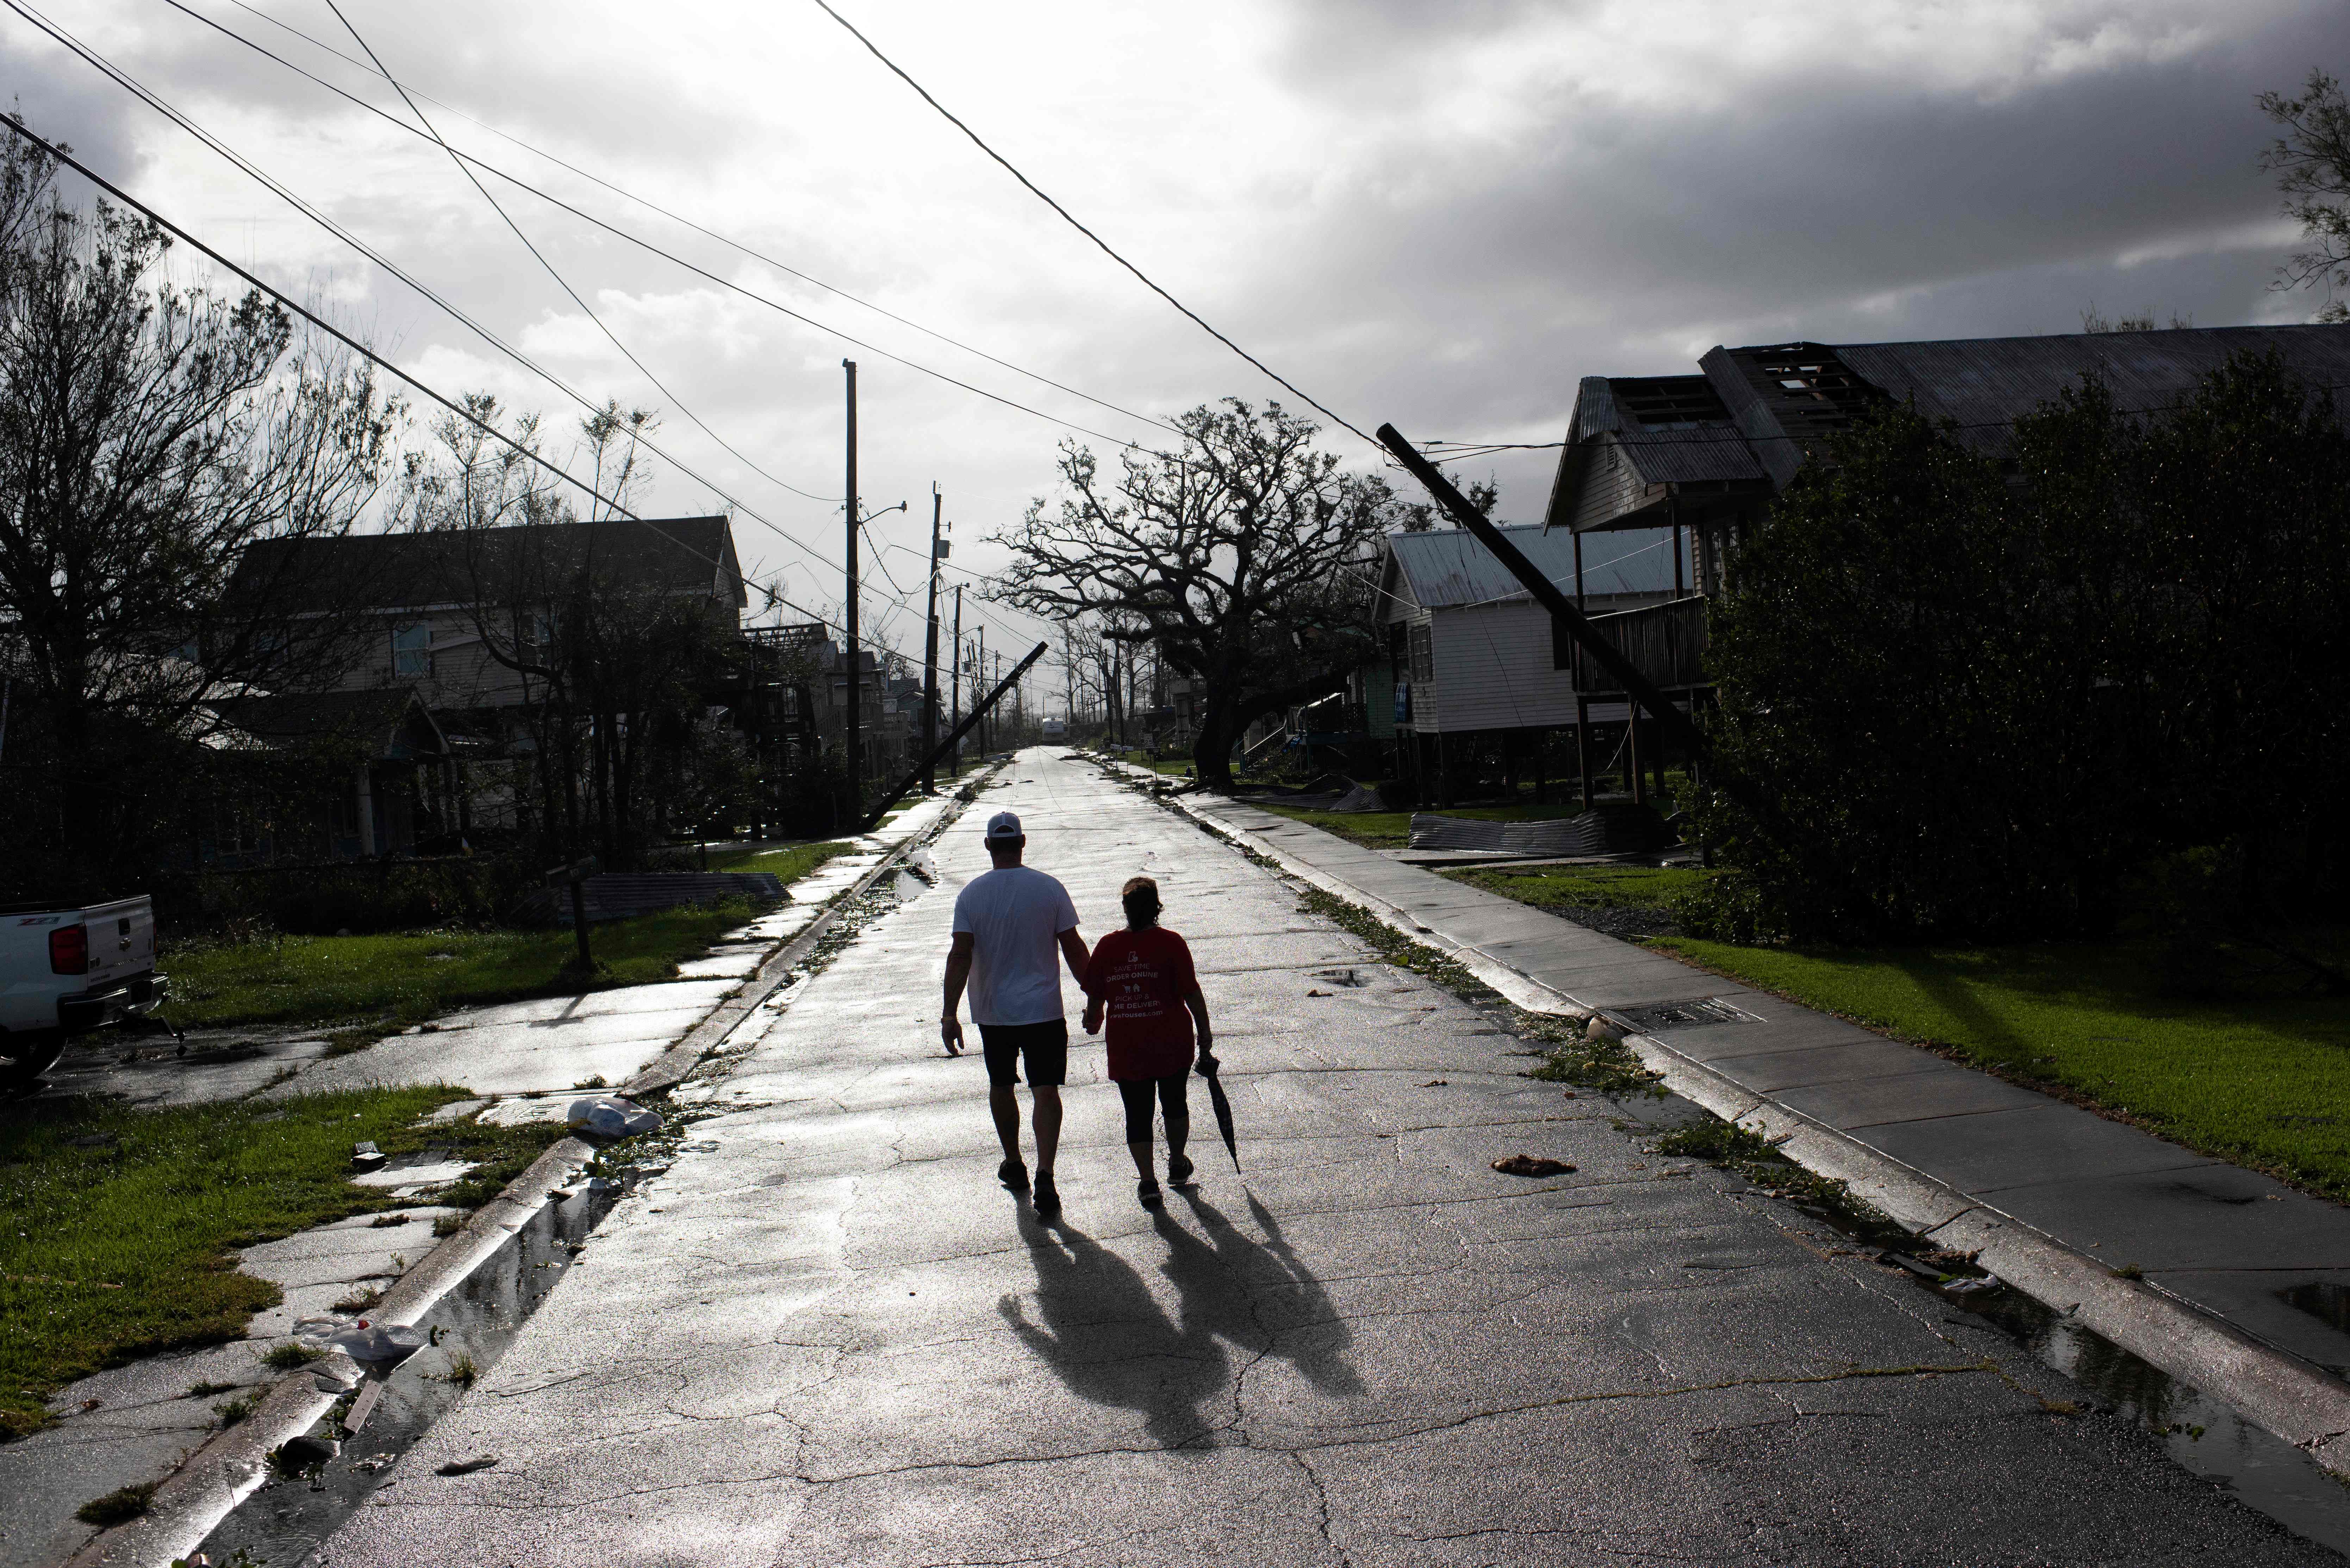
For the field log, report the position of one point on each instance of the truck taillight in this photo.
(69, 950)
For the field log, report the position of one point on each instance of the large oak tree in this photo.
(1246, 556)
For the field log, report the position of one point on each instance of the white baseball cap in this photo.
(1002, 825)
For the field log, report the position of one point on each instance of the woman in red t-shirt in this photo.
(1141, 979)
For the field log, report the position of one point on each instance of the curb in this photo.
(2273, 1389)
(225, 1468)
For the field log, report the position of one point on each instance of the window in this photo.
(412, 651)
(1423, 654)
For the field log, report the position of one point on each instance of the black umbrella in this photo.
(1223, 1108)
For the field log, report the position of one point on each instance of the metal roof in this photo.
(1447, 568)
(1787, 396)
(1983, 382)
(1674, 429)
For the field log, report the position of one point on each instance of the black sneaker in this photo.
(1013, 1174)
(1179, 1172)
(1147, 1190)
(1048, 1197)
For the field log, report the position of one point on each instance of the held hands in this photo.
(1094, 1017)
(951, 1030)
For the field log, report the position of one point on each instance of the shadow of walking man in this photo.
(1105, 1336)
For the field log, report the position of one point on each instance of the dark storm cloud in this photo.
(1437, 234)
(57, 105)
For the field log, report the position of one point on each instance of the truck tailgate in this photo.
(121, 940)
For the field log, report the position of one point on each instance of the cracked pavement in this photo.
(826, 1336)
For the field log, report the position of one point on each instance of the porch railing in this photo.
(1665, 642)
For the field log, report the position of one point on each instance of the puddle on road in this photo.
(2204, 1436)
(286, 1517)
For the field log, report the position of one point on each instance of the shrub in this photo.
(1985, 695)
(361, 897)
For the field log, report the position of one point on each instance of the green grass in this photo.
(1392, 830)
(405, 977)
(790, 863)
(2227, 1054)
(1586, 886)
(116, 1226)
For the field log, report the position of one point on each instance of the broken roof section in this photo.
(1637, 442)
(449, 567)
(1636, 445)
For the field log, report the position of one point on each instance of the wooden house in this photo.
(429, 613)
(1472, 664)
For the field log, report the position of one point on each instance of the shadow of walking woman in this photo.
(1258, 1294)
(1105, 1336)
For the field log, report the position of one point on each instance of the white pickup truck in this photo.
(65, 971)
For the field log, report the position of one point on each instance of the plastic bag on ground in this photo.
(366, 1342)
(606, 1117)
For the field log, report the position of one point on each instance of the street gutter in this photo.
(229, 1464)
(2269, 1386)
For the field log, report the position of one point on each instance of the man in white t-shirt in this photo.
(1010, 926)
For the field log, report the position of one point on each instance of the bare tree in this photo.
(1245, 558)
(2312, 163)
(148, 438)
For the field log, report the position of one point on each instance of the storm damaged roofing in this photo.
(1756, 411)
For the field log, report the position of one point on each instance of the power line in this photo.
(540, 257)
(1072, 222)
(294, 199)
(631, 196)
(700, 272)
(528, 454)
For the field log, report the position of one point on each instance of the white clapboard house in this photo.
(1470, 661)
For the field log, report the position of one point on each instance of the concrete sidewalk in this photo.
(1952, 1152)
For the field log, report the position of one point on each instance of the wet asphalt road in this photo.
(826, 1337)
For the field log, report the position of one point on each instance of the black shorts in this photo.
(1045, 1045)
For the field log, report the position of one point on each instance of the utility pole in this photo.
(931, 651)
(986, 727)
(957, 762)
(855, 773)
(1069, 680)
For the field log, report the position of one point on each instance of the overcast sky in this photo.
(1438, 214)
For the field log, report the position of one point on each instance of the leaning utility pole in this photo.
(985, 730)
(957, 764)
(855, 773)
(931, 652)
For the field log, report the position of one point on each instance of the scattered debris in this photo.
(362, 1408)
(1532, 1165)
(362, 1341)
(606, 1115)
(366, 1156)
(1437, 1084)
(467, 1467)
(1311, 992)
